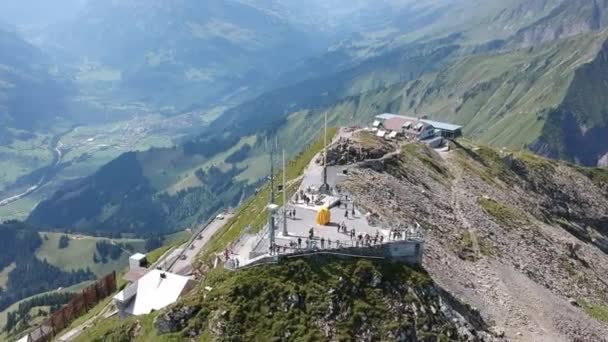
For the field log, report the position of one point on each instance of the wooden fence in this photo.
(79, 305)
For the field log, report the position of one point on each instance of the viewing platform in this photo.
(297, 228)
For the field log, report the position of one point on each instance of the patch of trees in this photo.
(22, 313)
(32, 276)
(217, 180)
(208, 147)
(105, 249)
(17, 240)
(153, 242)
(119, 186)
(239, 155)
(195, 205)
(64, 242)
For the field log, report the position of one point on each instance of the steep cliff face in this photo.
(567, 19)
(578, 128)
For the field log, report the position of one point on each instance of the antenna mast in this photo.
(272, 174)
(325, 140)
(285, 233)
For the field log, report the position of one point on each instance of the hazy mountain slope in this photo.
(29, 95)
(268, 111)
(502, 98)
(130, 195)
(567, 19)
(184, 53)
(500, 91)
(503, 95)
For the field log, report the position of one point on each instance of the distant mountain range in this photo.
(29, 94)
(526, 74)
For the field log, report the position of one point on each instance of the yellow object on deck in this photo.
(323, 216)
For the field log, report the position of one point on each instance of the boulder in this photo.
(175, 319)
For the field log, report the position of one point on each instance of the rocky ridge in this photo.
(517, 236)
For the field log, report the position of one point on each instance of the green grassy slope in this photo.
(503, 99)
(129, 194)
(565, 19)
(577, 129)
(457, 70)
(339, 293)
(80, 251)
(14, 306)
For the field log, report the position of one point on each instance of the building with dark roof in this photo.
(417, 128)
(403, 126)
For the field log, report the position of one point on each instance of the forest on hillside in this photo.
(30, 276)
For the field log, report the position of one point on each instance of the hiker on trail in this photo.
(236, 261)
(307, 244)
(294, 213)
(322, 242)
(299, 242)
(353, 210)
(297, 197)
(328, 243)
(376, 239)
(346, 213)
(381, 238)
(311, 233)
(339, 227)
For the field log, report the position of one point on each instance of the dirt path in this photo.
(457, 194)
(518, 306)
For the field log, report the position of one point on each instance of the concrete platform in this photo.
(251, 249)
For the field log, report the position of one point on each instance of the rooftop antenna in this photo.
(285, 233)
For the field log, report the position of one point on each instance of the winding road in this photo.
(55, 149)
